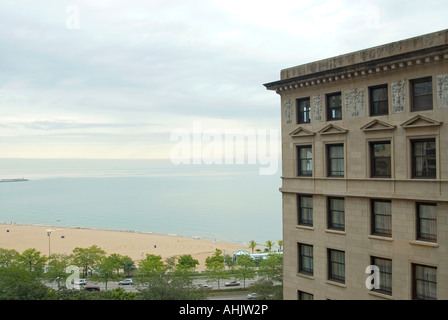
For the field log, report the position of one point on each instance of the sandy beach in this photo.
(132, 244)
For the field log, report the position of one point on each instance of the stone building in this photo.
(365, 173)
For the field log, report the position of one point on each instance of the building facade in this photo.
(365, 173)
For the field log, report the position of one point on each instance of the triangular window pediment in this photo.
(420, 121)
(377, 125)
(332, 129)
(301, 132)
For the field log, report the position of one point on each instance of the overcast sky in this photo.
(113, 79)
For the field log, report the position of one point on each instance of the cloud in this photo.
(170, 63)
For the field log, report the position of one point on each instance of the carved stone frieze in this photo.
(442, 91)
(318, 108)
(355, 103)
(398, 96)
(288, 111)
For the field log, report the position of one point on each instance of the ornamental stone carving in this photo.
(288, 111)
(398, 96)
(318, 108)
(442, 91)
(355, 103)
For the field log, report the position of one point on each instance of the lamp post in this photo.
(49, 234)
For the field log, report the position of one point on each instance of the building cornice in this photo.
(364, 69)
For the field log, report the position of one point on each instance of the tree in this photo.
(8, 257)
(106, 269)
(186, 262)
(244, 268)
(18, 282)
(228, 261)
(32, 261)
(280, 244)
(151, 267)
(155, 284)
(128, 265)
(56, 267)
(216, 268)
(272, 267)
(88, 257)
(269, 245)
(252, 245)
(117, 261)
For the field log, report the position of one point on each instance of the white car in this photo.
(81, 282)
(232, 283)
(125, 282)
(252, 296)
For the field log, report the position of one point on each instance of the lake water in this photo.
(225, 203)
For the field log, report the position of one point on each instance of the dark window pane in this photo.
(421, 94)
(381, 159)
(424, 158)
(334, 107)
(425, 282)
(379, 101)
(426, 222)
(336, 161)
(305, 163)
(304, 110)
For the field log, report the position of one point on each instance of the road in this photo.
(200, 281)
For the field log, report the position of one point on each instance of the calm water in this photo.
(230, 203)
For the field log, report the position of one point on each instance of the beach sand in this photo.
(132, 244)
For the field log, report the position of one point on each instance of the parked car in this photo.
(252, 296)
(92, 288)
(81, 282)
(232, 283)
(125, 282)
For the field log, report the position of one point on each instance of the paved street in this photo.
(200, 281)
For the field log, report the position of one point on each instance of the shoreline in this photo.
(134, 244)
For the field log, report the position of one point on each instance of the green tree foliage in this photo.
(245, 268)
(106, 269)
(8, 257)
(272, 267)
(127, 265)
(32, 261)
(56, 268)
(88, 257)
(17, 282)
(269, 244)
(252, 245)
(216, 268)
(186, 262)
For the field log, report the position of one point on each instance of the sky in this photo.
(115, 79)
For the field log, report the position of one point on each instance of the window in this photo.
(335, 165)
(303, 110)
(385, 274)
(379, 101)
(426, 222)
(424, 279)
(334, 106)
(306, 259)
(336, 265)
(305, 165)
(305, 212)
(380, 159)
(424, 158)
(421, 94)
(381, 218)
(305, 296)
(336, 219)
